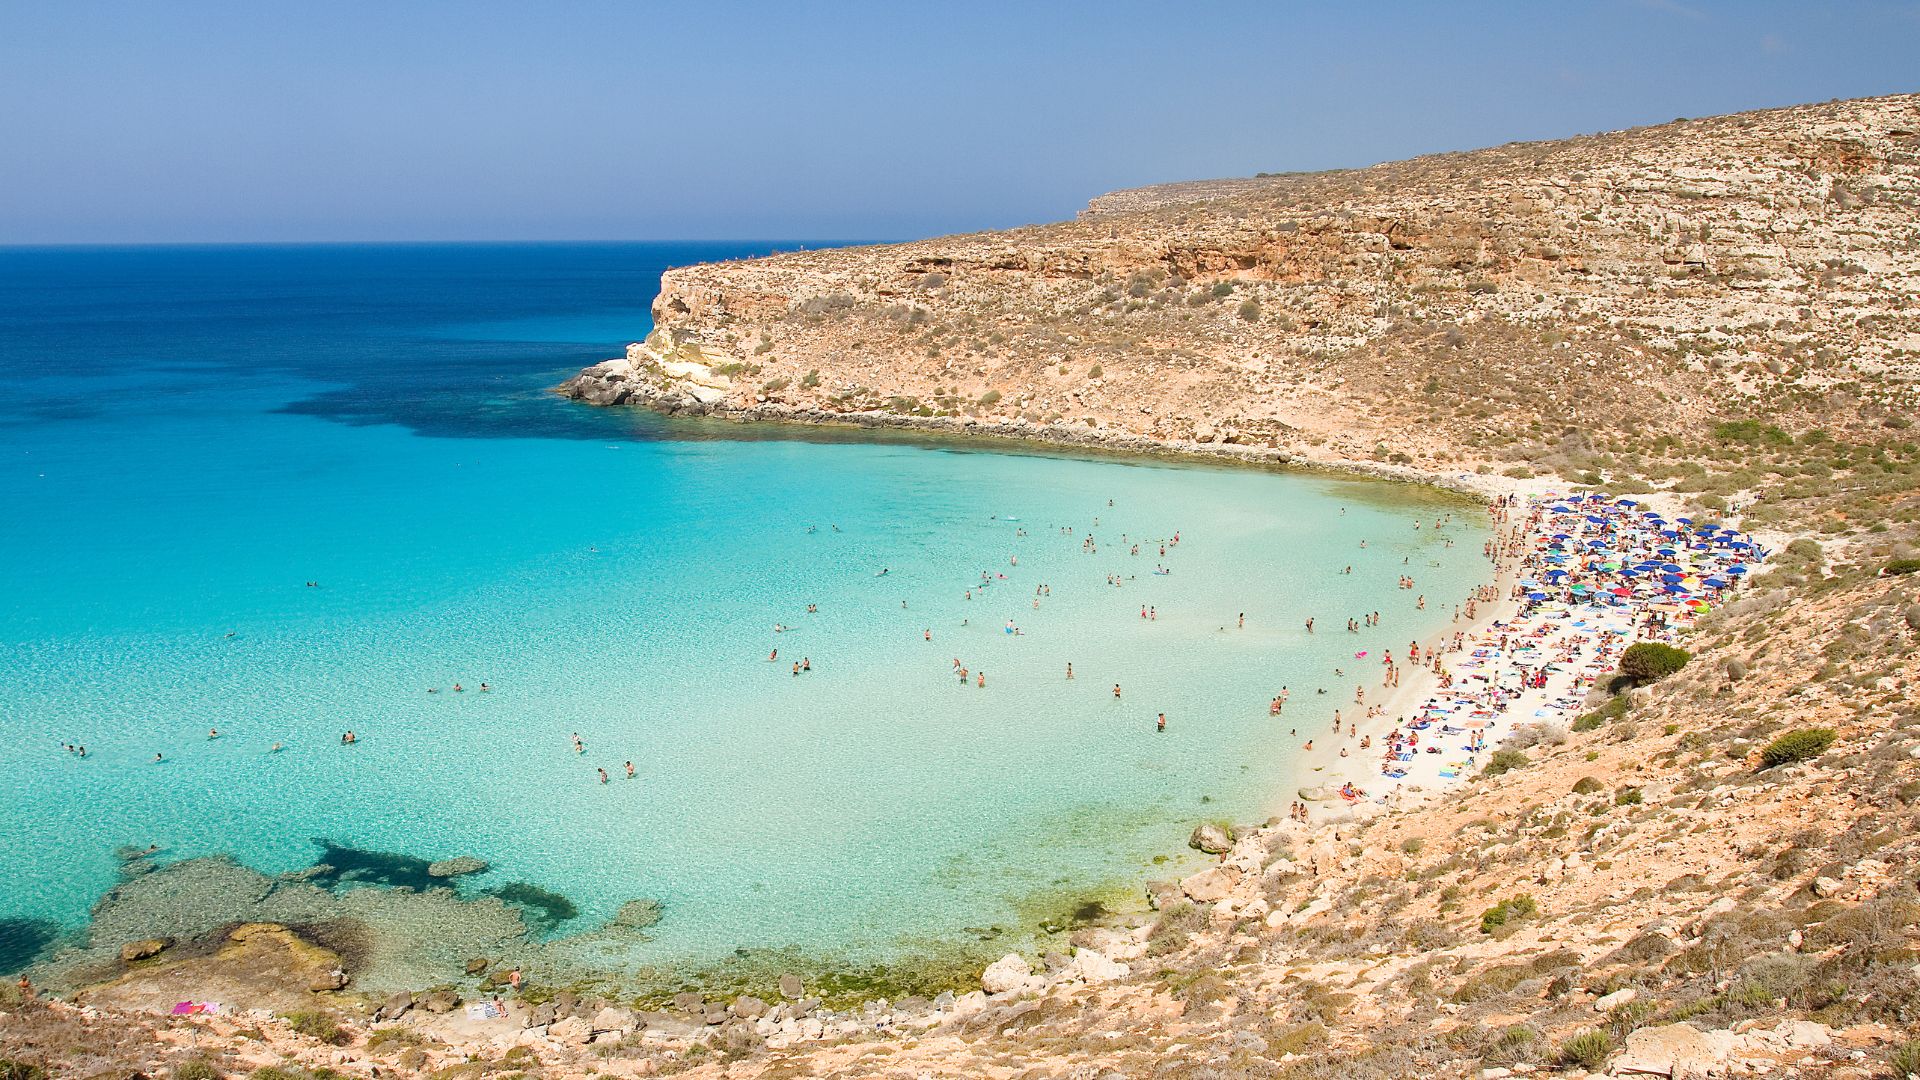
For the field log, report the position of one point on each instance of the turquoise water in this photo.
(189, 436)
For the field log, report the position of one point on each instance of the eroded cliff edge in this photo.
(1461, 308)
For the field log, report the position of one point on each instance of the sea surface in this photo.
(288, 492)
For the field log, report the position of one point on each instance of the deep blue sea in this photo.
(285, 492)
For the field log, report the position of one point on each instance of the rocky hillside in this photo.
(1460, 308)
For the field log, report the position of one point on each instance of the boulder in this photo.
(1616, 999)
(145, 948)
(748, 1007)
(321, 982)
(1680, 1051)
(689, 1002)
(394, 1007)
(1091, 966)
(612, 1019)
(1211, 838)
(478, 965)
(1826, 886)
(456, 866)
(440, 1001)
(1208, 885)
(1010, 972)
(791, 987)
(571, 1030)
(543, 1015)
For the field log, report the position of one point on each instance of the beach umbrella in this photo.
(1621, 590)
(1736, 569)
(1536, 596)
(1741, 545)
(1596, 519)
(1626, 502)
(1578, 587)
(1673, 589)
(1672, 568)
(1667, 551)
(1596, 543)
(1684, 521)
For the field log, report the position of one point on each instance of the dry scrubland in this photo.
(1718, 308)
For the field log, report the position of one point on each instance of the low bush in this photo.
(1651, 661)
(20, 1070)
(1614, 709)
(317, 1025)
(1502, 761)
(196, 1069)
(1587, 785)
(1906, 1059)
(1510, 910)
(1801, 744)
(1588, 1049)
(1903, 566)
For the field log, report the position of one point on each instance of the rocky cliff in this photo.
(1467, 307)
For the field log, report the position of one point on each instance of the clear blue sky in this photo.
(184, 121)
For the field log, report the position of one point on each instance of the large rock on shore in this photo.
(1211, 838)
(1006, 974)
(265, 965)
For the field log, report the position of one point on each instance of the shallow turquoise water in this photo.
(173, 477)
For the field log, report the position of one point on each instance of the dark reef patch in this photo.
(22, 941)
(544, 908)
(339, 865)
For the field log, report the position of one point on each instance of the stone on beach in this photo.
(1008, 973)
(1211, 838)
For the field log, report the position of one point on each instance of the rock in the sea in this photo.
(636, 915)
(1211, 838)
(456, 866)
(791, 987)
(144, 948)
(1007, 973)
(478, 965)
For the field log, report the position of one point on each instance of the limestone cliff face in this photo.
(1453, 307)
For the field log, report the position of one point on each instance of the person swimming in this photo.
(629, 770)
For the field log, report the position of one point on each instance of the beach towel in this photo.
(485, 1010)
(196, 1008)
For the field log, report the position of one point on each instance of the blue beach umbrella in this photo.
(1536, 596)
(1736, 569)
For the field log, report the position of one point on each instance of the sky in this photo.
(252, 121)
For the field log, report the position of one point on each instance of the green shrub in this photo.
(1096, 371)
(1503, 760)
(1650, 661)
(811, 380)
(1903, 566)
(1614, 709)
(774, 386)
(1751, 431)
(1628, 796)
(21, 1070)
(1512, 909)
(1586, 785)
(196, 1069)
(317, 1025)
(1906, 1059)
(1588, 1049)
(1250, 310)
(989, 399)
(1412, 845)
(1223, 288)
(1800, 744)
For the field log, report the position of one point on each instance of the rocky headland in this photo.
(1683, 882)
